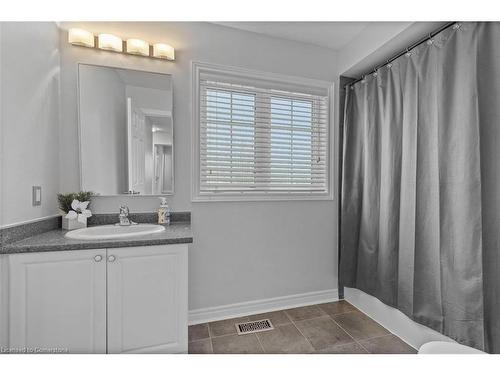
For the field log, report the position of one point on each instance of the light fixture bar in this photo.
(110, 42)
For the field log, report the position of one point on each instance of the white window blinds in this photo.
(261, 139)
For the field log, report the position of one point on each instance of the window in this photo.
(260, 137)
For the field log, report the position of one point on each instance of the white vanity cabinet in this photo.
(119, 300)
(57, 301)
(147, 299)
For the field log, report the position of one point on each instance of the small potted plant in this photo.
(75, 209)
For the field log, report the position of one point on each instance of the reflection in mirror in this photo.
(126, 131)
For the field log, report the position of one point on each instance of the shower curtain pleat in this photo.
(389, 185)
(368, 233)
(407, 75)
(427, 299)
(351, 190)
(420, 188)
(488, 93)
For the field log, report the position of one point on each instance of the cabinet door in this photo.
(58, 301)
(147, 299)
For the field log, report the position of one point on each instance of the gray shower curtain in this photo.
(420, 224)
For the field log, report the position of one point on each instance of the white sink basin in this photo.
(108, 232)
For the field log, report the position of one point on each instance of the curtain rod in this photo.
(416, 44)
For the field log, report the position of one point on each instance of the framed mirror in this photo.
(126, 131)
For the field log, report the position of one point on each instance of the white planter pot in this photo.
(71, 224)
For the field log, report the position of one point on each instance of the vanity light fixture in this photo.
(137, 47)
(81, 37)
(163, 51)
(110, 42)
(113, 43)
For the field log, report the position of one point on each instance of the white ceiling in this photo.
(333, 35)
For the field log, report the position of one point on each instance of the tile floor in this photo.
(335, 328)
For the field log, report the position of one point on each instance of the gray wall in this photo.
(242, 251)
(368, 41)
(29, 142)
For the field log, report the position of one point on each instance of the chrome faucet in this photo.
(123, 216)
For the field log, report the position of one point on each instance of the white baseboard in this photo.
(413, 333)
(235, 310)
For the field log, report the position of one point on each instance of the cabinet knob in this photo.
(111, 258)
(98, 258)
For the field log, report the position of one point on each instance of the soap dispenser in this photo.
(164, 212)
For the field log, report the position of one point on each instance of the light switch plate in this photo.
(37, 196)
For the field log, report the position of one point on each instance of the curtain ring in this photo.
(430, 41)
(408, 53)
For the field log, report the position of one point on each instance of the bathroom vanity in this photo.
(123, 295)
(106, 288)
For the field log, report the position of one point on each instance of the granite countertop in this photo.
(54, 240)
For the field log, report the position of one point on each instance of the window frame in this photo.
(199, 68)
